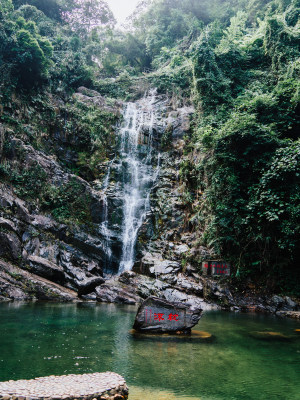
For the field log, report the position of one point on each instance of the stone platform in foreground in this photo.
(99, 386)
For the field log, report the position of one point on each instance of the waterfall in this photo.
(134, 176)
(104, 230)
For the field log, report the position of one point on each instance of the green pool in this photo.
(239, 362)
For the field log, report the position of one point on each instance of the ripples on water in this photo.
(44, 339)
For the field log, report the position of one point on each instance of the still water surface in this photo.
(42, 339)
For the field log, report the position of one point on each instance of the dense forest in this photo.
(236, 61)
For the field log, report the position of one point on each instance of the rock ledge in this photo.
(100, 386)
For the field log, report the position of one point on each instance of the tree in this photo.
(51, 8)
(88, 15)
(33, 56)
(212, 86)
(6, 8)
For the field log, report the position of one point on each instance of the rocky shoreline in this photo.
(133, 288)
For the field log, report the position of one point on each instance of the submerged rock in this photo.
(270, 336)
(159, 315)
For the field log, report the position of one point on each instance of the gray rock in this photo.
(175, 295)
(10, 246)
(87, 243)
(116, 294)
(290, 304)
(6, 198)
(159, 268)
(92, 97)
(180, 120)
(14, 293)
(88, 285)
(159, 315)
(46, 269)
(181, 249)
(147, 286)
(96, 209)
(77, 266)
(291, 314)
(214, 291)
(8, 225)
(276, 302)
(127, 277)
(1, 139)
(18, 284)
(162, 267)
(45, 223)
(189, 285)
(21, 211)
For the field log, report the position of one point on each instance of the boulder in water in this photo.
(158, 315)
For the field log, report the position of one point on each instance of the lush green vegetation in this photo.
(69, 202)
(236, 60)
(246, 86)
(239, 63)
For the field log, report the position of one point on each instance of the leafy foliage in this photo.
(237, 60)
(26, 54)
(87, 15)
(247, 90)
(68, 202)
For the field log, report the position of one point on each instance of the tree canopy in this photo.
(237, 61)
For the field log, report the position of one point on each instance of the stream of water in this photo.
(40, 339)
(134, 174)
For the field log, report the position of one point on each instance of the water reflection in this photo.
(44, 339)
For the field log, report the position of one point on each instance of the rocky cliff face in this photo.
(43, 256)
(52, 243)
(66, 254)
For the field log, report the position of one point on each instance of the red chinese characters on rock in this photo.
(219, 268)
(173, 317)
(216, 268)
(159, 316)
(148, 315)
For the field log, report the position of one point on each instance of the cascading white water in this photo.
(138, 173)
(104, 226)
(134, 175)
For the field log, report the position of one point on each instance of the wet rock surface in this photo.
(18, 284)
(70, 256)
(159, 315)
(10, 245)
(45, 268)
(133, 288)
(45, 259)
(290, 314)
(106, 385)
(37, 243)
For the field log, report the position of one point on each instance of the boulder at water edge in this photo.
(158, 315)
